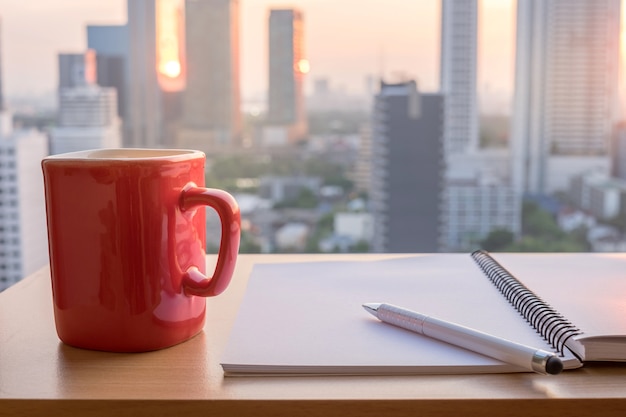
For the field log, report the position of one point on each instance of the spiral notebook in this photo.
(307, 318)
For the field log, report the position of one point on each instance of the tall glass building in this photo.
(211, 114)
(566, 90)
(287, 68)
(459, 29)
(407, 169)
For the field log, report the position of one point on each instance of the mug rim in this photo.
(127, 154)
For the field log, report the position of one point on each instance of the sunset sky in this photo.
(346, 40)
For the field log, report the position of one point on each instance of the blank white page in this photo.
(308, 318)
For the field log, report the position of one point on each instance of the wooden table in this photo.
(41, 376)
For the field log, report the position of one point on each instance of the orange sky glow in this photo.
(345, 41)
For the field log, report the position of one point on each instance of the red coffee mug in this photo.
(126, 235)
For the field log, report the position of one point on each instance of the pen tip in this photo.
(371, 307)
(554, 366)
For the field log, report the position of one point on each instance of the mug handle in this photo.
(195, 282)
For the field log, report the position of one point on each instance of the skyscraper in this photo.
(407, 169)
(145, 117)
(459, 28)
(287, 68)
(566, 90)
(211, 114)
(77, 69)
(111, 46)
(477, 196)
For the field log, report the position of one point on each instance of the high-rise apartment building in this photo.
(23, 239)
(211, 113)
(287, 68)
(477, 196)
(459, 29)
(87, 120)
(474, 207)
(407, 169)
(566, 90)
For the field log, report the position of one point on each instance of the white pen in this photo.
(526, 357)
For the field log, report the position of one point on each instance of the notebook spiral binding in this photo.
(552, 326)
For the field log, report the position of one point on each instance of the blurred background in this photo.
(340, 126)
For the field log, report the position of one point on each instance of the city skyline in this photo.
(405, 44)
(431, 186)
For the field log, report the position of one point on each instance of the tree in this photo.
(306, 200)
(497, 240)
(540, 233)
(248, 244)
(538, 222)
(360, 247)
(537, 244)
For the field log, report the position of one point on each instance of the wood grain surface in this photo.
(39, 375)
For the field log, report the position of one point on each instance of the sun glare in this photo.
(171, 69)
(303, 66)
(169, 44)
